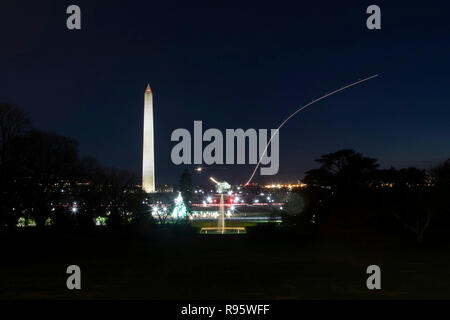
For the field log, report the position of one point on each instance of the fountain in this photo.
(221, 229)
(221, 222)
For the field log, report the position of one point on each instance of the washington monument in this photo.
(148, 158)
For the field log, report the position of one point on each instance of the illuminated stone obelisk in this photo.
(148, 158)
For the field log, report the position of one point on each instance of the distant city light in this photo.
(213, 180)
(284, 186)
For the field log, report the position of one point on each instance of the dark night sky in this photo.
(233, 65)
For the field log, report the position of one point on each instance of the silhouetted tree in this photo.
(13, 123)
(117, 185)
(441, 174)
(185, 181)
(342, 170)
(413, 210)
(407, 199)
(91, 193)
(406, 177)
(346, 176)
(43, 160)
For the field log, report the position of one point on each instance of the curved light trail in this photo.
(303, 107)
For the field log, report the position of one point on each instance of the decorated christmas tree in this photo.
(179, 211)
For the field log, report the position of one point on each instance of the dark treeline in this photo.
(349, 192)
(43, 180)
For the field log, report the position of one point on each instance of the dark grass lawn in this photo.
(117, 265)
